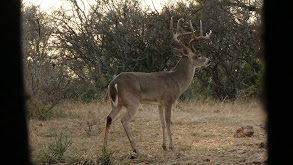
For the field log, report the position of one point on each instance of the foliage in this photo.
(76, 53)
(45, 78)
(106, 156)
(234, 49)
(55, 152)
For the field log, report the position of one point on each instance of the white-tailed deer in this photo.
(130, 89)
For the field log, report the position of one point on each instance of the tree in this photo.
(89, 47)
(233, 47)
(45, 79)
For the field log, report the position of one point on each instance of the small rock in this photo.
(244, 131)
(262, 125)
(262, 145)
(240, 151)
(206, 160)
(256, 159)
(149, 156)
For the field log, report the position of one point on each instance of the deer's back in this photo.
(152, 88)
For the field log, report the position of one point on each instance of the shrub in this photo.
(106, 156)
(55, 152)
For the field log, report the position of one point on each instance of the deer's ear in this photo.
(177, 52)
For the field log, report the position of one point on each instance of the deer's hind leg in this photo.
(115, 110)
(130, 112)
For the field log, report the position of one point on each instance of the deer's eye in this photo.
(199, 56)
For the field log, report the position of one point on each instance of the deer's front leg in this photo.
(168, 124)
(163, 124)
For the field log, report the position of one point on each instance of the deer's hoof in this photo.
(134, 155)
(172, 148)
(164, 147)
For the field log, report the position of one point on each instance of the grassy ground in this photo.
(202, 133)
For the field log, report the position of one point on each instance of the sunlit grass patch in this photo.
(200, 131)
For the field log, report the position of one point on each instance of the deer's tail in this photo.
(113, 93)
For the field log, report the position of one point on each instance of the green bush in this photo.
(39, 111)
(55, 152)
(106, 156)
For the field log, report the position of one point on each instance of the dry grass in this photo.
(202, 133)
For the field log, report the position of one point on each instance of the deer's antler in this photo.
(200, 37)
(193, 37)
(175, 36)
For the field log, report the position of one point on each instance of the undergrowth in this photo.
(55, 152)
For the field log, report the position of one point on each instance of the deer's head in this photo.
(195, 56)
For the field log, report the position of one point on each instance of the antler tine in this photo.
(175, 36)
(200, 25)
(192, 37)
(178, 23)
(201, 37)
(208, 35)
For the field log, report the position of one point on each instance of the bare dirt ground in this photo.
(203, 133)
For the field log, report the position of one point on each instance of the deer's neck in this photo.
(183, 73)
